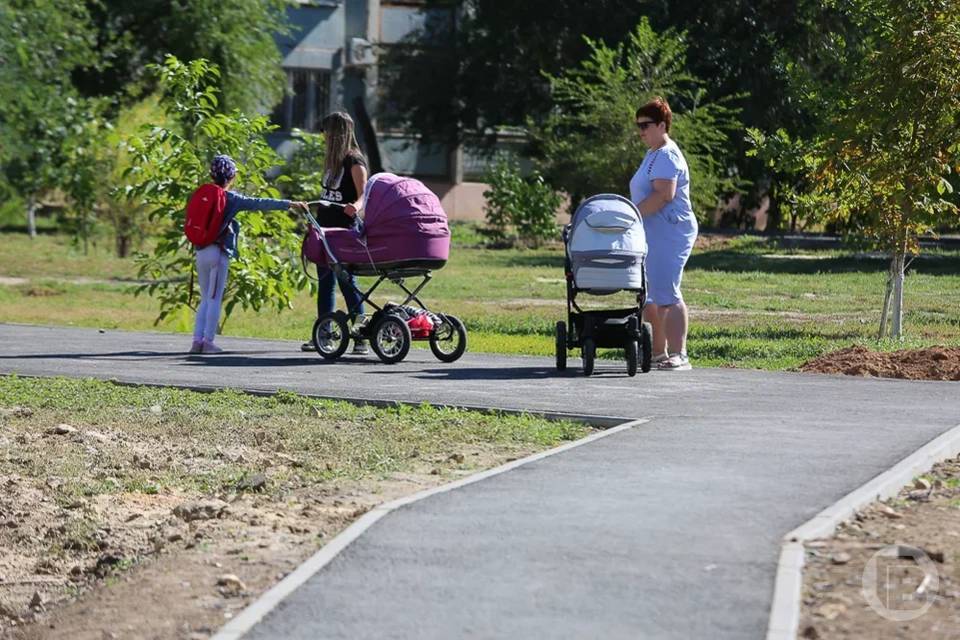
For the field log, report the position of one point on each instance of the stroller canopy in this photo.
(404, 225)
(606, 245)
(402, 207)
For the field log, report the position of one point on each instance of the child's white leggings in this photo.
(212, 265)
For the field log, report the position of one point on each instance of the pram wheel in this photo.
(589, 353)
(561, 346)
(449, 339)
(391, 339)
(631, 349)
(331, 335)
(646, 346)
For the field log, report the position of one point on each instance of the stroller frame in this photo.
(386, 329)
(622, 328)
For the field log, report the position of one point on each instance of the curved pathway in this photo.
(670, 529)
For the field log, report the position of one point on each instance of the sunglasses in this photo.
(646, 123)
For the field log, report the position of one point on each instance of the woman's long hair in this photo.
(341, 141)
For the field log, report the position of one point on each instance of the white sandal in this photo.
(675, 362)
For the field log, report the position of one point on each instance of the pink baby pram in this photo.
(401, 233)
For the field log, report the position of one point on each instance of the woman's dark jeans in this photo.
(326, 291)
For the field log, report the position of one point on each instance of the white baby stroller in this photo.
(605, 251)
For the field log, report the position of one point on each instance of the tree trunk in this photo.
(774, 215)
(896, 330)
(886, 303)
(123, 245)
(32, 216)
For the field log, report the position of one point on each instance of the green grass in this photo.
(154, 440)
(753, 303)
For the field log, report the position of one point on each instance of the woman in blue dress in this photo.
(661, 190)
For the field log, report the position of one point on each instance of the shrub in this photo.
(520, 210)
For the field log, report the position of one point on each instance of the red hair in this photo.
(657, 110)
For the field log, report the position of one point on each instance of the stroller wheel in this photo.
(330, 335)
(631, 349)
(391, 339)
(449, 339)
(589, 352)
(646, 346)
(561, 346)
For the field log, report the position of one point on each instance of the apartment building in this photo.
(332, 62)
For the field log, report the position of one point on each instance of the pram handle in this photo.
(327, 203)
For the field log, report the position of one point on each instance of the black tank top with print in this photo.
(342, 191)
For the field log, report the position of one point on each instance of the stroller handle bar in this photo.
(327, 203)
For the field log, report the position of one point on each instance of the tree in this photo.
(126, 218)
(488, 59)
(892, 144)
(589, 143)
(168, 163)
(42, 42)
(235, 35)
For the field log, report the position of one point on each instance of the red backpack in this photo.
(205, 215)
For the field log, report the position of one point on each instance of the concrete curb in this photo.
(784, 623)
(256, 611)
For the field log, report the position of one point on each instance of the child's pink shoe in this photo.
(196, 347)
(209, 347)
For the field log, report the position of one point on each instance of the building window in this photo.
(306, 101)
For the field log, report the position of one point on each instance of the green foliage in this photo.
(791, 190)
(167, 165)
(750, 49)
(126, 218)
(235, 35)
(590, 144)
(891, 146)
(86, 160)
(302, 176)
(42, 118)
(520, 209)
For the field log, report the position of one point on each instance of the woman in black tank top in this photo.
(342, 189)
(343, 183)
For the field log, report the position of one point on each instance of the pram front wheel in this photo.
(449, 339)
(391, 339)
(561, 346)
(646, 347)
(331, 335)
(589, 353)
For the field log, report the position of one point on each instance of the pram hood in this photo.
(403, 222)
(403, 204)
(606, 245)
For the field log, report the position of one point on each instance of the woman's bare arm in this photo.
(359, 174)
(664, 191)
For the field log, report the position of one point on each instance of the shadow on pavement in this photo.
(500, 373)
(74, 356)
(225, 359)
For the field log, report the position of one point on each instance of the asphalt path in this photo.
(667, 530)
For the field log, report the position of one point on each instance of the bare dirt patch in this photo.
(905, 539)
(712, 241)
(151, 573)
(933, 363)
